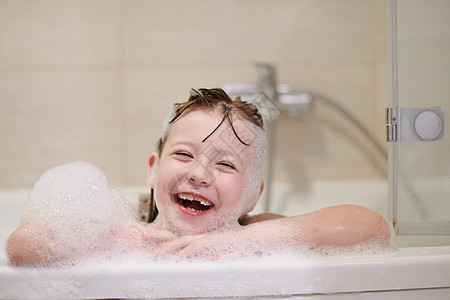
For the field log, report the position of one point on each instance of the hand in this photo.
(177, 247)
(143, 237)
(212, 246)
(153, 234)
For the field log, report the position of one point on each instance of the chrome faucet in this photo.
(277, 98)
(296, 102)
(267, 80)
(267, 85)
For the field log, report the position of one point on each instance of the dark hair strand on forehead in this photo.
(217, 99)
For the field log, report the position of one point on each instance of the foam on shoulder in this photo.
(77, 210)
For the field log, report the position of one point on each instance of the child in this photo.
(205, 178)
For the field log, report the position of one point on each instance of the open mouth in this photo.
(193, 203)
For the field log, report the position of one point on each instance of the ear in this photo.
(152, 167)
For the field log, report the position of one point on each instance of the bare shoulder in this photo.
(24, 245)
(341, 225)
(344, 225)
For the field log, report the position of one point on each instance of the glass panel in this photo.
(420, 172)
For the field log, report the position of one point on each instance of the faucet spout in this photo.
(268, 86)
(267, 80)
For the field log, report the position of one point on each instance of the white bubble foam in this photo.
(76, 204)
(81, 216)
(77, 210)
(68, 192)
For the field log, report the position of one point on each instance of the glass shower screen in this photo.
(419, 154)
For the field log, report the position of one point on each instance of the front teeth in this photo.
(191, 198)
(186, 197)
(205, 203)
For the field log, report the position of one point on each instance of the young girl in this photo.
(205, 178)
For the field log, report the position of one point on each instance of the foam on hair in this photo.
(252, 186)
(166, 124)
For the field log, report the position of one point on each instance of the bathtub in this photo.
(413, 272)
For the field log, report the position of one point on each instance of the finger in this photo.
(174, 247)
(158, 236)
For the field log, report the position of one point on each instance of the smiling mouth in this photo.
(193, 203)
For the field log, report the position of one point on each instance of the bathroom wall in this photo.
(93, 80)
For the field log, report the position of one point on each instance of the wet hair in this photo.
(213, 100)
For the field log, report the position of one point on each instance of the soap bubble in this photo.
(78, 211)
(74, 209)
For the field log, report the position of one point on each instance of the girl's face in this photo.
(199, 186)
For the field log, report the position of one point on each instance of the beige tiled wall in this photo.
(93, 80)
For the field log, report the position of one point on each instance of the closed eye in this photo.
(183, 154)
(227, 165)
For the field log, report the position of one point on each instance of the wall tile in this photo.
(224, 32)
(113, 68)
(50, 118)
(53, 32)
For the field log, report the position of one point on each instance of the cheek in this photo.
(169, 171)
(163, 183)
(171, 176)
(232, 189)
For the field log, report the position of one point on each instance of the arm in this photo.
(339, 226)
(342, 225)
(33, 243)
(30, 244)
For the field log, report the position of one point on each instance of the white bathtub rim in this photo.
(408, 268)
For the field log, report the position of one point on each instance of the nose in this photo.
(200, 175)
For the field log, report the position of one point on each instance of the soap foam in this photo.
(246, 246)
(77, 210)
(76, 204)
(81, 216)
